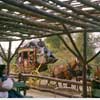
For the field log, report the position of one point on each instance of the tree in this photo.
(53, 43)
(91, 44)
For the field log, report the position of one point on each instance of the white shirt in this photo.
(42, 51)
(7, 84)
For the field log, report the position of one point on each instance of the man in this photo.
(6, 83)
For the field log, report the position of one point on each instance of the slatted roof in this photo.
(27, 19)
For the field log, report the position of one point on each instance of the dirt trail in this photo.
(40, 94)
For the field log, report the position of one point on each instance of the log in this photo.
(58, 10)
(90, 4)
(51, 16)
(79, 12)
(54, 79)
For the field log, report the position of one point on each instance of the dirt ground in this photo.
(40, 94)
(43, 94)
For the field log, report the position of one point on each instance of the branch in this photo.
(72, 41)
(68, 47)
(16, 50)
(3, 57)
(93, 57)
(3, 52)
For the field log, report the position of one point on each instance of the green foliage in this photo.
(79, 43)
(97, 60)
(53, 43)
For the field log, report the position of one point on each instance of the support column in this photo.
(84, 64)
(9, 55)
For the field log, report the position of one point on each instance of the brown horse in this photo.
(65, 71)
(97, 73)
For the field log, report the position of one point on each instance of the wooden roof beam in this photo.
(90, 4)
(54, 17)
(79, 12)
(41, 2)
(32, 22)
(48, 35)
(17, 26)
(17, 9)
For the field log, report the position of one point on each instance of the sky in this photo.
(16, 43)
(6, 44)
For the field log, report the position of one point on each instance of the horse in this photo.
(79, 76)
(65, 71)
(97, 73)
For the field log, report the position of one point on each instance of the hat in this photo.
(2, 66)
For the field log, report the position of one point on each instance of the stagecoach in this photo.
(29, 58)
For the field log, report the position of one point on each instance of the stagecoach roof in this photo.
(28, 19)
(25, 50)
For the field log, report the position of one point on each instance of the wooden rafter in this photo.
(52, 21)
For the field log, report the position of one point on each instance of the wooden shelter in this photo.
(28, 19)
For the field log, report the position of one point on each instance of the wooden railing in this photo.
(72, 82)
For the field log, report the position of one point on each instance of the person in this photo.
(46, 52)
(41, 43)
(6, 83)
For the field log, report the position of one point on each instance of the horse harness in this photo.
(70, 70)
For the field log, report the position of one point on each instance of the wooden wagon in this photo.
(27, 58)
(30, 58)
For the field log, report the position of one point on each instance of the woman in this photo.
(6, 83)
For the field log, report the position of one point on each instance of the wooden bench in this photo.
(21, 86)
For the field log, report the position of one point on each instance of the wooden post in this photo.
(28, 62)
(34, 57)
(22, 62)
(28, 59)
(8, 67)
(84, 65)
(9, 55)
